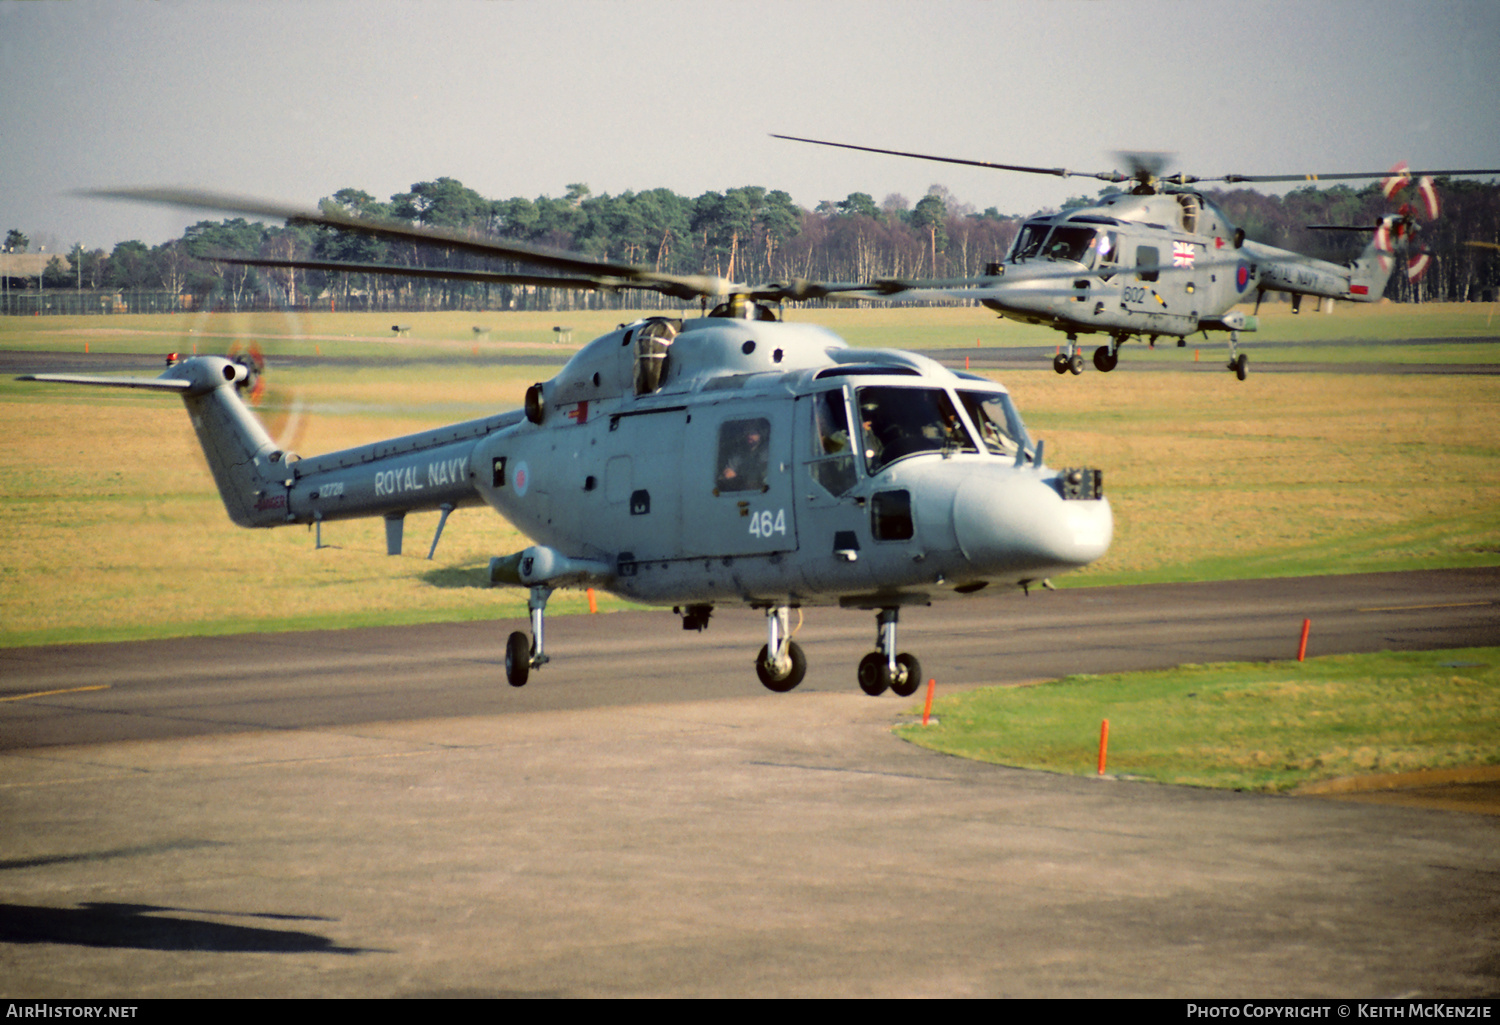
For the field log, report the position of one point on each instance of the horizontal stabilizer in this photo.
(152, 383)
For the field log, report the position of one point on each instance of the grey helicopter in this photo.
(732, 457)
(1162, 260)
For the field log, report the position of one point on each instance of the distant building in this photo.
(26, 265)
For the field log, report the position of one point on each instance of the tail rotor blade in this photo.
(1395, 181)
(1430, 202)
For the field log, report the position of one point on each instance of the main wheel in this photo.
(518, 659)
(908, 676)
(1060, 363)
(781, 683)
(1241, 366)
(874, 675)
(1104, 360)
(1076, 364)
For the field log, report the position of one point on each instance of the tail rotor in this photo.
(279, 409)
(1423, 202)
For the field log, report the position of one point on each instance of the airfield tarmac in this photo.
(374, 813)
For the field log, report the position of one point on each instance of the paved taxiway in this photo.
(372, 813)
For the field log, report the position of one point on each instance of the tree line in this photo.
(744, 234)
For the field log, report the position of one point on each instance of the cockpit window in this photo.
(900, 422)
(831, 462)
(1029, 242)
(1071, 243)
(998, 423)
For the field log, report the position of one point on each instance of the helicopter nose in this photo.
(1018, 521)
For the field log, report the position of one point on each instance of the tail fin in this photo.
(1371, 270)
(245, 462)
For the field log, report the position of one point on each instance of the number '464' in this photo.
(767, 523)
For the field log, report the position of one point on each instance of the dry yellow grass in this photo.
(111, 525)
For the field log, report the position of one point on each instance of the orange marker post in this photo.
(593, 602)
(927, 708)
(1103, 744)
(1302, 645)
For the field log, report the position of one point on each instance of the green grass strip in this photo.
(1243, 726)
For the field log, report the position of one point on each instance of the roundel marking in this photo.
(1242, 276)
(522, 478)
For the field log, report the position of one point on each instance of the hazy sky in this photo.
(293, 101)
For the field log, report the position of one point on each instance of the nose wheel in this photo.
(1238, 364)
(522, 653)
(780, 664)
(884, 669)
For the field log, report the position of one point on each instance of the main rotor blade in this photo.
(1115, 176)
(680, 286)
(441, 273)
(1060, 172)
(1345, 176)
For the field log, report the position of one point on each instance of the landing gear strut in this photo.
(883, 669)
(1071, 361)
(1238, 362)
(780, 664)
(1107, 357)
(523, 654)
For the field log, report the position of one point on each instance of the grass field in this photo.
(360, 334)
(111, 527)
(1263, 726)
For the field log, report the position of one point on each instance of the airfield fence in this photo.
(65, 302)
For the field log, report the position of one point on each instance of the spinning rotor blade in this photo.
(627, 275)
(1347, 176)
(1060, 172)
(453, 274)
(1147, 167)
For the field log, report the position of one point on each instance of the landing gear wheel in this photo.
(518, 659)
(1076, 364)
(1104, 360)
(909, 676)
(794, 674)
(1240, 366)
(874, 676)
(1060, 363)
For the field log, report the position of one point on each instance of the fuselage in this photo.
(1158, 264)
(770, 463)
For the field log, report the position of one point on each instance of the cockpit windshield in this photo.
(999, 425)
(899, 422)
(1029, 242)
(1071, 242)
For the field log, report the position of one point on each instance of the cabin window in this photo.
(999, 425)
(1147, 256)
(900, 422)
(890, 516)
(744, 447)
(832, 458)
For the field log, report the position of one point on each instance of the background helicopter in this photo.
(1163, 259)
(728, 458)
